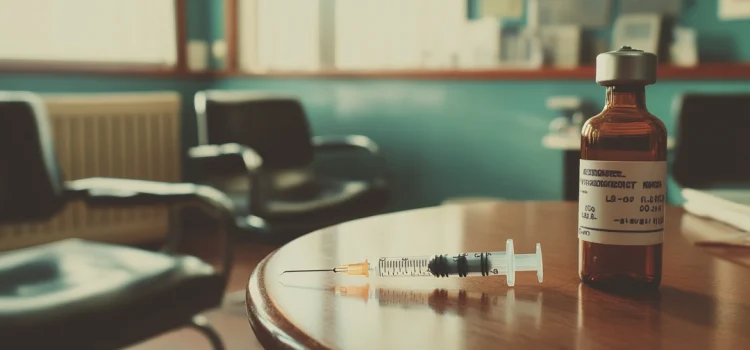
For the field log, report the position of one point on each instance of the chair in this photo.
(79, 294)
(712, 144)
(257, 148)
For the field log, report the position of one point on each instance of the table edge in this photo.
(271, 328)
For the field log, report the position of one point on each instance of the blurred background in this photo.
(460, 99)
(459, 94)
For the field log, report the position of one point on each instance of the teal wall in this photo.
(718, 40)
(199, 24)
(442, 138)
(456, 138)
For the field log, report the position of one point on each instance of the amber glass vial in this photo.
(623, 178)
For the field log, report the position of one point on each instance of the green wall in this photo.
(718, 40)
(454, 138)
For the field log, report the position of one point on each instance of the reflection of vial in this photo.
(622, 178)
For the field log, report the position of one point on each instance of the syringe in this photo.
(445, 265)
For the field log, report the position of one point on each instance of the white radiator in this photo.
(125, 135)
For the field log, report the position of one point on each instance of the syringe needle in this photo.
(320, 270)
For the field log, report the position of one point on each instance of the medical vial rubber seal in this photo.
(622, 179)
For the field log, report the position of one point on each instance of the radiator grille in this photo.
(126, 135)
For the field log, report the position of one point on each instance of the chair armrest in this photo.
(346, 142)
(114, 191)
(218, 159)
(129, 192)
(353, 142)
(229, 159)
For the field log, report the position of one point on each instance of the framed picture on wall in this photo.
(640, 31)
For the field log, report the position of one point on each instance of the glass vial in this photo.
(622, 186)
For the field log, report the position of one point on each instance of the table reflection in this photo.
(507, 305)
(464, 317)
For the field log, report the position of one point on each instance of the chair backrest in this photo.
(31, 183)
(713, 140)
(275, 126)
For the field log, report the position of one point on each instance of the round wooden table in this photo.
(703, 302)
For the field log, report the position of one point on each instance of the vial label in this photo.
(621, 202)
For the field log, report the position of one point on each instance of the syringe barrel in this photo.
(403, 266)
(463, 264)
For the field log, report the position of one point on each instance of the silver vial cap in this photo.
(626, 66)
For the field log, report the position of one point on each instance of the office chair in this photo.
(712, 144)
(79, 294)
(257, 148)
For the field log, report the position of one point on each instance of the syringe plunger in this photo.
(488, 263)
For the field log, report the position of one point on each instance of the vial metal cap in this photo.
(626, 66)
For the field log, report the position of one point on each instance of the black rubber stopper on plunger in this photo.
(438, 266)
(462, 265)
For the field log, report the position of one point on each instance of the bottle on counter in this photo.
(622, 185)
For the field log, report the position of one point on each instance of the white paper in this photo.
(501, 8)
(731, 206)
(734, 9)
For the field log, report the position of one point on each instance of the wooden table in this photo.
(703, 303)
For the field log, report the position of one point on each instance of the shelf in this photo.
(708, 71)
(98, 69)
(483, 74)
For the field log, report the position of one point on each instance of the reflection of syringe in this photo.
(444, 265)
(459, 302)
